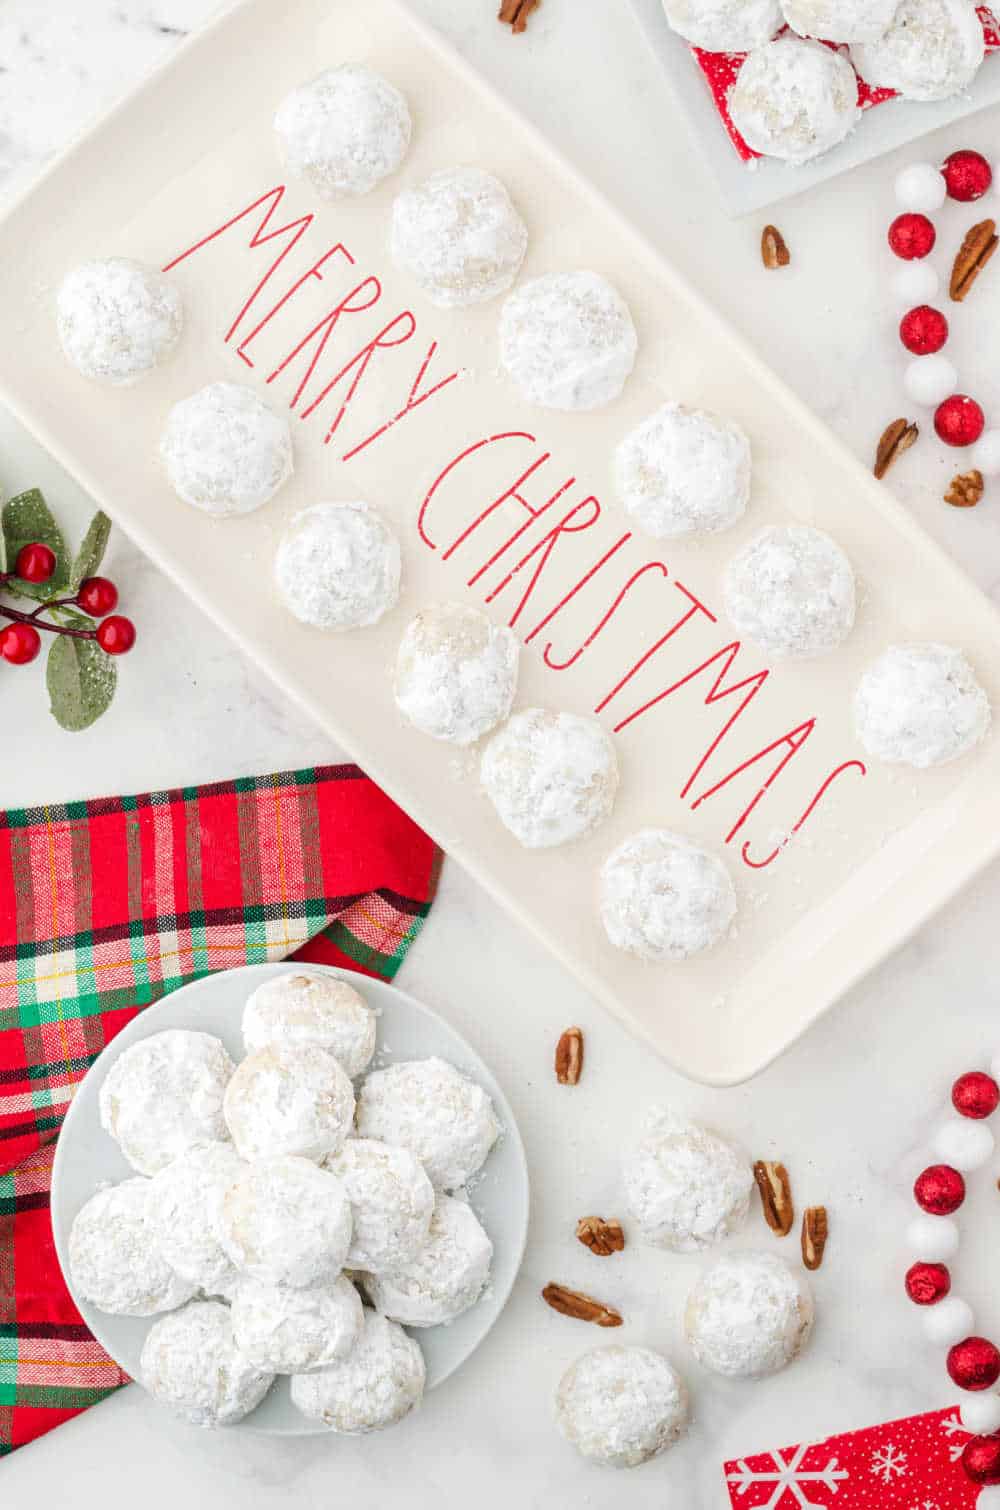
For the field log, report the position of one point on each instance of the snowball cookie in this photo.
(460, 236)
(379, 1382)
(568, 341)
(185, 1202)
(840, 20)
(791, 590)
(191, 1362)
(392, 1201)
(338, 567)
(456, 673)
(117, 319)
(724, 25)
(439, 1114)
(794, 100)
(286, 1222)
(225, 451)
(933, 49)
(620, 1406)
(920, 705)
(292, 1331)
(344, 131)
(445, 1278)
(684, 472)
(289, 1098)
(301, 1009)
(552, 777)
(748, 1315)
(164, 1095)
(686, 1188)
(114, 1258)
(664, 898)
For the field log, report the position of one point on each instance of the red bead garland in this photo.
(981, 1460)
(926, 1284)
(959, 421)
(974, 1364)
(940, 1190)
(975, 1095)
(912, 236)
(967, 175)
(923, 330)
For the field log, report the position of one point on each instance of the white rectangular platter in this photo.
(746, 187)
(713, 742)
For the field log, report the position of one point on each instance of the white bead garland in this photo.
(985, 457)
(921, 187)
(964, 1145)
(915, 283)
(950, 1321)
(981, 1414)
(930, 380)
(933, 1239)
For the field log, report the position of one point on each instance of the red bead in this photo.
(959, 421)
(926, 1284)
(912, 236)
(923, 330)
(975, 1095)
(940, 1190)
(20, 643)
(981, 1460)
(967, 175)
(97, 596)
(116, 635)
(35, 562)
(974, 1364)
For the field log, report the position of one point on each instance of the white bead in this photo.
(928, 380)
(914, 283)
(964, 1144)
(981, 1414)
(921, 187)
(948, 1322)
(932, 1239)
(985, 457)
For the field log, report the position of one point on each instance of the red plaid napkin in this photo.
(105, 906)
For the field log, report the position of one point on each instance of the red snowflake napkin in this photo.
(105, 906)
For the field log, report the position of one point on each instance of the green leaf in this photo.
(25, 519)
(91, 552)
(81, 680)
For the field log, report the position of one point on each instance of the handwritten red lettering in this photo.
(791, 743)
(849, 765)
(591, 508)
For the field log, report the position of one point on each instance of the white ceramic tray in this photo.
(747, 187)
(878, 853)
(87, 1157)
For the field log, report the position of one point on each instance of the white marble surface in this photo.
(846, 1109)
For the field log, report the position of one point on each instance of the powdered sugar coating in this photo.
(286, 1222)
(164, 1095)
(932, 50)
(191, 1362)
(294, 1331)
(684, 472)
(568, 341)
(663, 898)
(552, 777)
(920, 705)
(748, 1315)
(460, 236)
(791, 590)
(794, 100)
(185, 1202)
(338, 566)
(444, 1278)
(392, 1201)
(225, 451)
(118, 319)
(431, 1108)
(289, 1098)
(621, 1406)
(840, 20)
(302, 1009)
(686, 1188)
(114, 1258)
(344, 131)
(456, 673)
(376, 1385)
(724, 25)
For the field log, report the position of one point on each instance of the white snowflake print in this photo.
(926, 1505)
(790, 1477)
(952, 1427)
(888, 1463)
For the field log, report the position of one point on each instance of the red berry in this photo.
(940, 1190)
(974, 1364)
(975, 1095)
(116, 635)
(967, 175)
(912, 236)
(20, 643)
(35, 562)
(981, 1460)
(923, 330)
(97, 596)
(926, 1284)
(959, 421)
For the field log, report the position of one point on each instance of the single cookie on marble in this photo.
(621, 1406)
(686, 1188)
(749, 1315)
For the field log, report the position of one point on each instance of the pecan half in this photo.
(515, 13)
(774, 251)
(966, 490)
(776, 1196)
(581, 1307)
(896, 438)
(569, 1057)
(601, 1237)
(815, 1231)
(976, 250)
